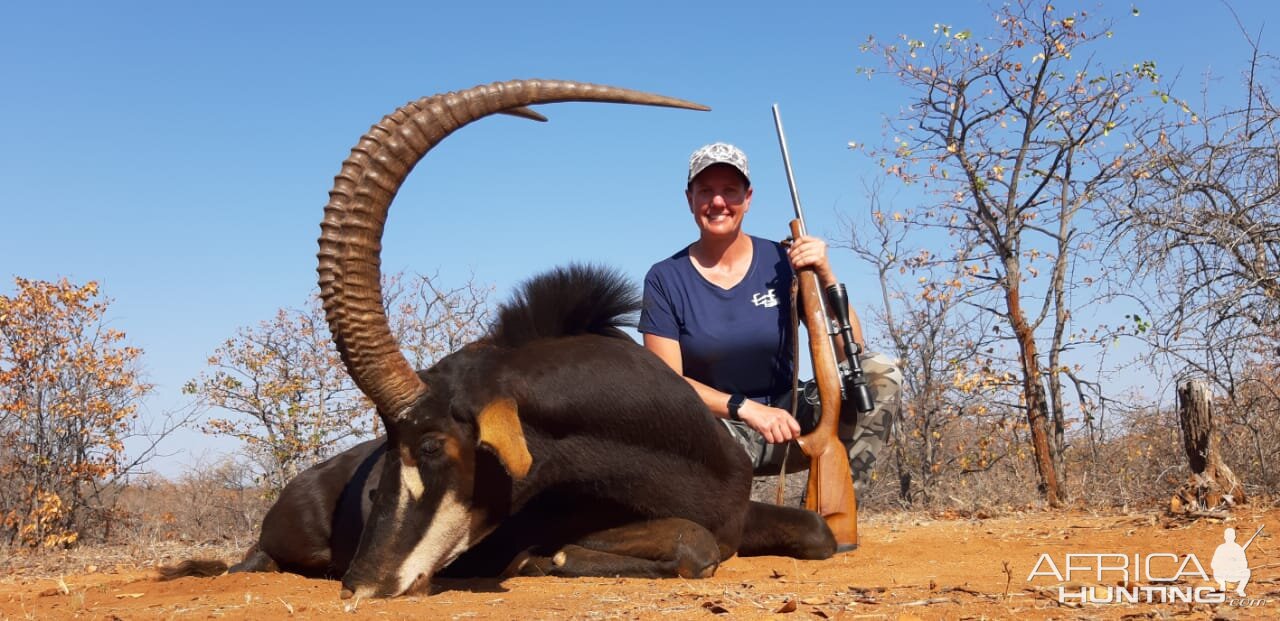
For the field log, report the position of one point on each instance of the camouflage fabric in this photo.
(868, 437)
(864, 436)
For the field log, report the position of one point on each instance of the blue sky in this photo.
(180, 153)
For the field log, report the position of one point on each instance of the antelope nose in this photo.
(351, 588)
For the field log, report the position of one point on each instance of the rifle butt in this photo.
(831, 494)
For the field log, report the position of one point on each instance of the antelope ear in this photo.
(500, 432)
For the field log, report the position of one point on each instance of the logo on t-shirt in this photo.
(767, 300)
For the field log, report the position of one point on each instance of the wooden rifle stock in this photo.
(830, 493)
(830, 489)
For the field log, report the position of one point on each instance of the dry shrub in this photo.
(971, 459)
(69, 391)
(1249, 425)
(210, 511)
(204, 505)
(1144, 463)
(1139, 466)
(983, 466)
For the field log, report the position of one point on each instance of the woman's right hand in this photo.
(775, 424)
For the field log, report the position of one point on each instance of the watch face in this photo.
(735, 402)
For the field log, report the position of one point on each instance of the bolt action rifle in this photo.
(830, 488)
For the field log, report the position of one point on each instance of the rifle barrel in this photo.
(786, 163)
(1255, 536)
(795, 202)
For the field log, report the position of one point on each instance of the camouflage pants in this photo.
(864, 439)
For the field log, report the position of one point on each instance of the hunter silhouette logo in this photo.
(1156, 578)
(1229, 563)
(767, 300)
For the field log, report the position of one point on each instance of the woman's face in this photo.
(718, 199)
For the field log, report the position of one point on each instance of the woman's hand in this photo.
(808, 251)
(775, 424)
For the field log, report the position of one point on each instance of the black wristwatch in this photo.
(735, 404)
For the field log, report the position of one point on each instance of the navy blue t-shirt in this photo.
(735, 340)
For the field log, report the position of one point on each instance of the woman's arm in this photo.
(775, 424)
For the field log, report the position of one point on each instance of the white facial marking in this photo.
(447, 537)
(410, 483)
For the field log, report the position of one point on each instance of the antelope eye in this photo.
(430, 446)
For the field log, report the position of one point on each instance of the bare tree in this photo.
(430, 322)
(291, 402)
(289, 396)
(1020, 136)
(952, 380)
(1204, 214)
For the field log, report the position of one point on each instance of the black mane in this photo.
(567, 301)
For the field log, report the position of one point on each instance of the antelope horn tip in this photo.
(525, 112)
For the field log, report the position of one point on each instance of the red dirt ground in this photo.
(908, 567)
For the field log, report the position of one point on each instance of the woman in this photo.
(718, 312)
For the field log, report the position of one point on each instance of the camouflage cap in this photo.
(718, 153)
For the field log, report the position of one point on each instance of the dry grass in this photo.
(23, 565)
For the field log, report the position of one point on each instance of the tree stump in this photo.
(1212, 486)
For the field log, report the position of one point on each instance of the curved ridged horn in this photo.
(351, 233)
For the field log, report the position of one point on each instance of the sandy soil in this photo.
(908, 567)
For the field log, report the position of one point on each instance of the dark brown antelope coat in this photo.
(553, 445)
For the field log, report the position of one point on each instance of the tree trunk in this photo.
(1054, 379)
(1033, 394)
(1212, 485)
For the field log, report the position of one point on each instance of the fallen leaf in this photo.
(715, 608)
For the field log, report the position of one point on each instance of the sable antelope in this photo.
(554, 445)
